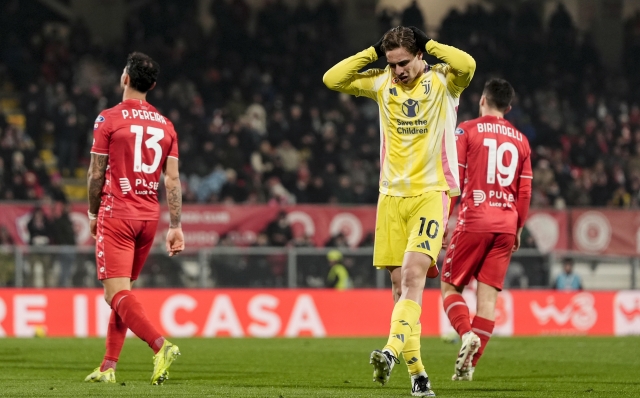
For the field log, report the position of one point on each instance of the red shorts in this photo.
(483, 255)
(122, 246)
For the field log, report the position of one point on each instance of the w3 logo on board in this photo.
(410, 108)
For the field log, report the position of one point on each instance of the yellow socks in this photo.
(404, 318)
(411, 352)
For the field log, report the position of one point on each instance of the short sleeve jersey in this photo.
(495, 156)
(138, 140)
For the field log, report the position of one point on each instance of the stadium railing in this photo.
(281, 267)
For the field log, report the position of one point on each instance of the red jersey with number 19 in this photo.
(138, 140)
(495, 174)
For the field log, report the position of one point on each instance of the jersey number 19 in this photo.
(496, 160)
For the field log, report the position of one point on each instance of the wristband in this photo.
(91, 215)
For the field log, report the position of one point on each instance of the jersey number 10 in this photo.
(496, 160)
(151, 143)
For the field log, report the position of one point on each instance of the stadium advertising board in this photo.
(307, 312)
(587, 231)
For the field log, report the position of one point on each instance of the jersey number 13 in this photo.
(151, 143)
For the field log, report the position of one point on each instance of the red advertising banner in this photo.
(308, 312)
(203, 225)
(586, 231)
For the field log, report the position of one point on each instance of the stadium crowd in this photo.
(257, 125)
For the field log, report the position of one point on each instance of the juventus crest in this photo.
(426, 84)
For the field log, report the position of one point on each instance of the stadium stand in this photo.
(259, 127)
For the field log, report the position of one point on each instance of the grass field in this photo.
(283, 368)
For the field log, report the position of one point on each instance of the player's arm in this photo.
(344, 76)
(174, 191)
(463, 66)
(98, 165)
(524, 197)
(175, 237)
(461, 148)
(95, 180)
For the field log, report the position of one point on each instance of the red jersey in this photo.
(495, 173)
(138, 141)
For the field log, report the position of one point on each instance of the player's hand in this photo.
(445, 239)
(175, 241)
(93, 227)
(516, 243)
(378, 48)
(421, 38)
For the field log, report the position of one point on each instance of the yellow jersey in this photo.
(417, 121)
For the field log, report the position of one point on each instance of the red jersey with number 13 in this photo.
(138, 140)
(495, 173)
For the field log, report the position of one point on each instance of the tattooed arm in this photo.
(174, 191)
(175, 238)
(95, 181)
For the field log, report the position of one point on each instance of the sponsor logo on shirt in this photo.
(125, 185)
(410, 108)
(459, 131)
(479, 197)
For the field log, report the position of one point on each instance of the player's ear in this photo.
(152, 86)
(507, 110)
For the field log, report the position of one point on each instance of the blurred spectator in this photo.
(63, 234)
(7, 259)
(39, 228)
(337, 240)
(568, 280)
(412, 16)
(279, 231)
(39, 263)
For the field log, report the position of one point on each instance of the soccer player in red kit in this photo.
(495, 175)
(132, 145)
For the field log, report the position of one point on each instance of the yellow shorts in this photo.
(412, 224)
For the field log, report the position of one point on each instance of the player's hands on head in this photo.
(378, 48)
(421, 38)
(175, 241)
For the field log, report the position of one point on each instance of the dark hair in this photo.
(567, 260)
(499, 93)
(142, 70)
(397, 37)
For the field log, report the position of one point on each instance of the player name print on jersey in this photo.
(143, 115)
(497, 128)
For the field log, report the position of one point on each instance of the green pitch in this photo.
(287, 368)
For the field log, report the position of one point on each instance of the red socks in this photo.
(456, 309)
(127, 306)
(483, 328)
(116, 334)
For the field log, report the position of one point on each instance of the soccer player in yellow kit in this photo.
(418, 173)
